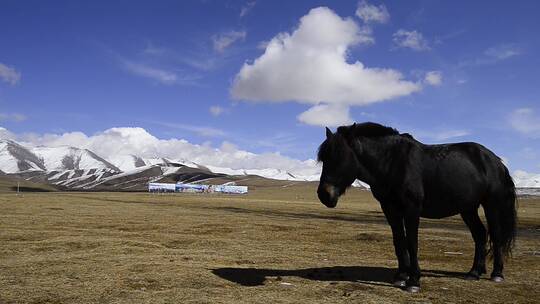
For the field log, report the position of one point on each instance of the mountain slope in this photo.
(10, 183)
(127, 162)
(15, 158)
(70, 158)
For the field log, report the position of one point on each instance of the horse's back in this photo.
(458, 177)
(470, 161)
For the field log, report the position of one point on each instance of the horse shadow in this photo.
(371, 275)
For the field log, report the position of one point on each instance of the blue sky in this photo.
(468, 71)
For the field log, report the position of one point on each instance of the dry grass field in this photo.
(275, 245)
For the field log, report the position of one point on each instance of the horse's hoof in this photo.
(400, 283)
(413, 289)
(497, 279)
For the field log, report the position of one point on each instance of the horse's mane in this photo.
(367, 129)
(336, 144)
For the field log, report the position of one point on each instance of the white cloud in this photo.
(199, 60)
(449, 134)
(493, 55)
(146, 66)
(526, 121)
(262, 45)
(247, 8)
(505, 161)
(410, 39)
(280, 141)
(137, 141)
(433, 78)
(224, 40)
(310, 66)
(440, 135)
(199, 130)
(160, 75)
(9, 74)
(6, 134)
(503, 51)
(228, 147)
(372, 14)
(154, 50)
(326, 115)
(365, 35)
(12, 117)
(216, 110)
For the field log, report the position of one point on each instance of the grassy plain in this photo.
(277, 244)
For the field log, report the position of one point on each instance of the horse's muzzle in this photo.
(328, 195)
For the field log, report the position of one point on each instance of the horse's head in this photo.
(340, 168)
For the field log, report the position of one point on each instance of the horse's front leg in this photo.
(400, 247)
(411, 228)
(395, 220)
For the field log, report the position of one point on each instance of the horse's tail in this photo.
(507, 215)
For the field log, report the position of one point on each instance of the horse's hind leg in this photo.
(411, 229)
(495, 234)
(479, 234)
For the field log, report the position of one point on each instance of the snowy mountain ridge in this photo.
(81, 168)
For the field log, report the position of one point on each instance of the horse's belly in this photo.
(451, 199)
(439, 210)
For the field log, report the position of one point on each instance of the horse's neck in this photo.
(376, 156)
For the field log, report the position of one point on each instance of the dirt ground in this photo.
(274, 245)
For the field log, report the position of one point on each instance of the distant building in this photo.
(161, 187)
(196, 188)
(191, 188)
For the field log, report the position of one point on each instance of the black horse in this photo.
(412, 180)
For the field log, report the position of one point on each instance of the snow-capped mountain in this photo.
(526, 180)
(15, 158)
(76, 168)
(268, 173)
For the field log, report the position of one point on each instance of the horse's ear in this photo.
(328, 133)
